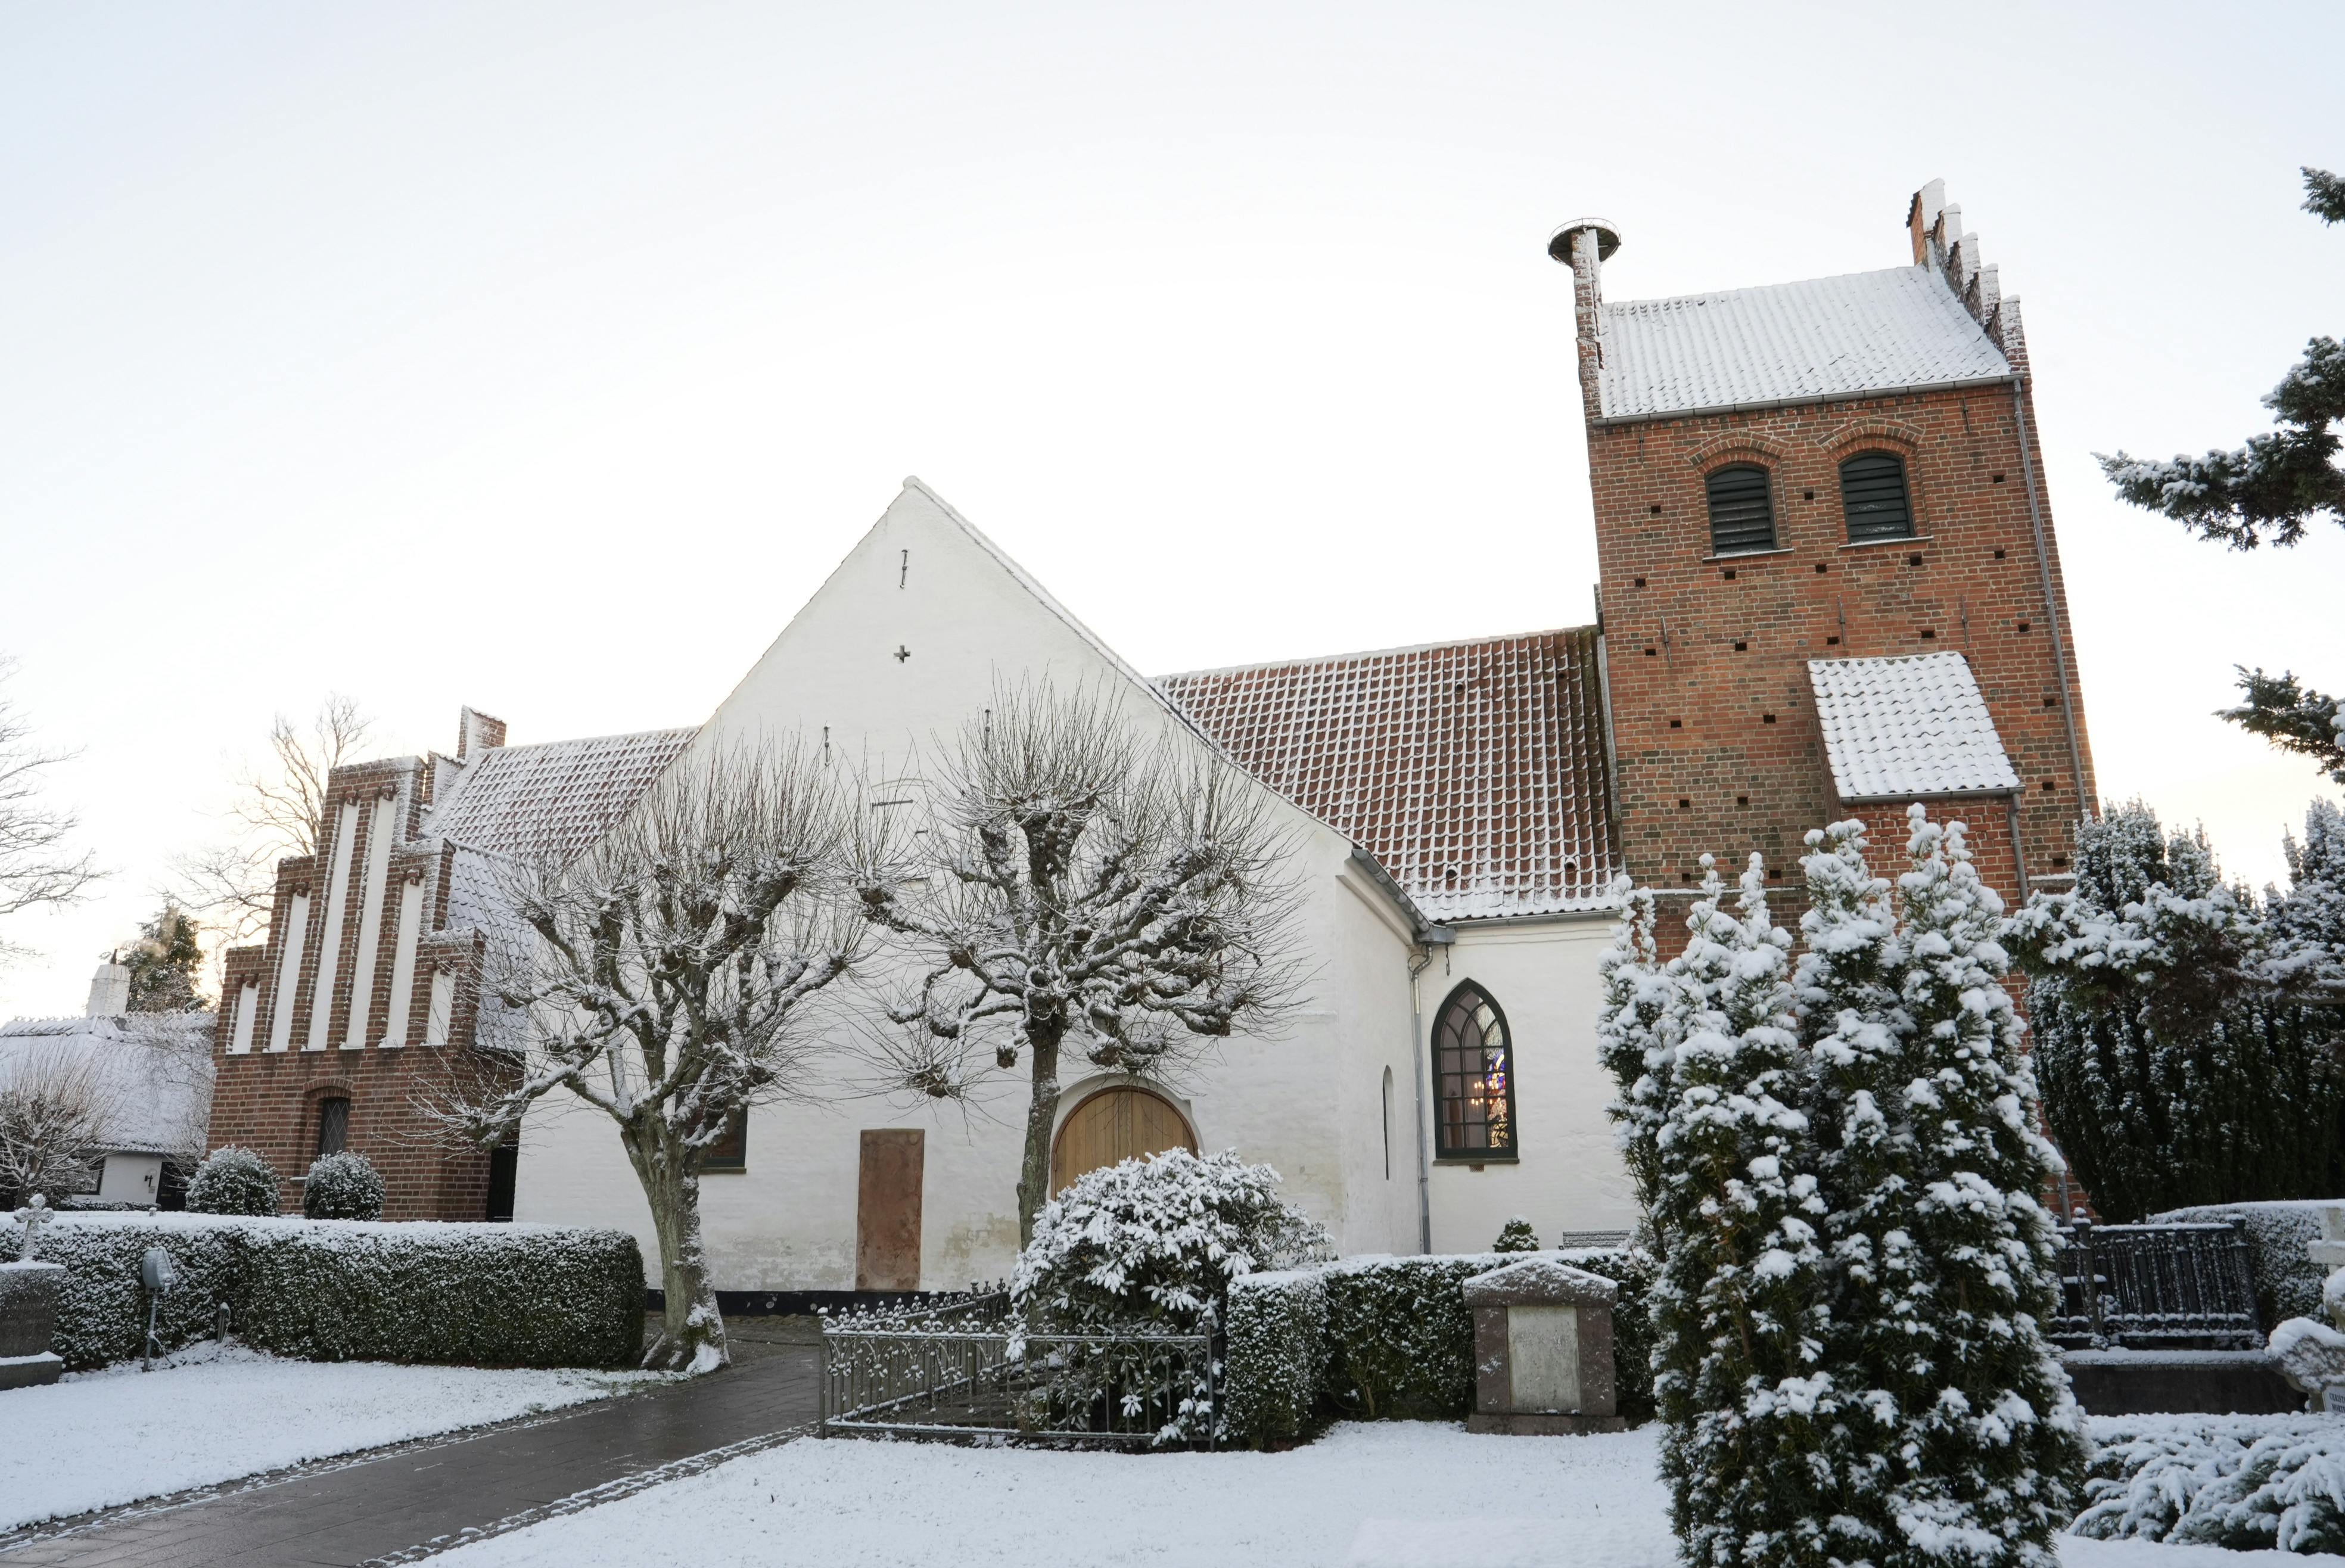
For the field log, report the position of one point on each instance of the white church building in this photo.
(1441, 1073)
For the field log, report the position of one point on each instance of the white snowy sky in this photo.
(547, 357)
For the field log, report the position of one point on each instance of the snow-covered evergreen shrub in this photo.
(343, 1187)
(2186, 1052)
(467, 1295)
(2247, 1483)
(1741, 1312)
(232, 1181)
(1154, 1242)
(2288, 1281)
(1637, 1033)
(1516, 1236)
(1275, 1370)
(1400, 1336)
(1959, 1435)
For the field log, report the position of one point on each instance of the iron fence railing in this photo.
(2149, 1287)
(967, 1368)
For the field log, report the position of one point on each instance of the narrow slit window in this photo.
(1873, 494)
(1741, 511)
(1474, 1078)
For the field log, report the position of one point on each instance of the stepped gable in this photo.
(1907, 728)
(1864, 334)
(1475, 773)
(554, 798)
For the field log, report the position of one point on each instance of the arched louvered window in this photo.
(1873, 494)
(1473, 1078)
(1742, 510)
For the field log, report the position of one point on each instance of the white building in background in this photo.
(150, 1073)
(1442, 1074)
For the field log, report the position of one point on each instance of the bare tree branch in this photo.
(669, 979)
(1075, 885)
(37, 867)
(52, 1111)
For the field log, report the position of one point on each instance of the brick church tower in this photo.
(1830, 583)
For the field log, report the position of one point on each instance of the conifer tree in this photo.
(1637, 1034)
(1740, 1312)
(1991, 1451)
(164, 963)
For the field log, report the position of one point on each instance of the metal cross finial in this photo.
(36, 1216)
(902, 653)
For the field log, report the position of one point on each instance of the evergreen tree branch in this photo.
(2293, 718)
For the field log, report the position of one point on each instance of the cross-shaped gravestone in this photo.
(35, 1217)
(902, 653)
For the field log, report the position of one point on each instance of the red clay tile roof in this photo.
(557, 797)
(1474, 772)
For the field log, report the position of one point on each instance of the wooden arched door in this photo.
(1116, 1124)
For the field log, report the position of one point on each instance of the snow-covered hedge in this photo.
(2288, 1281)
(343, 1187)
(1380, 1337)
(2247, 1483)
(474, 1295)
(1276, 1368)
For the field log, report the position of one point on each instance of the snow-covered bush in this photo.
(1400, 1336)
(2248, 1482)
(1275, 1371)
(1154, 1242)
(1516, 1236)
(466, 1295)
(232, 1181)
(343, 1187)
(2187, 1033)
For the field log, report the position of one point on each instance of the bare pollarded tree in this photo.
(52, 1110)
(277, 807)
(668, 979)
(37, 866)
(1079, 887)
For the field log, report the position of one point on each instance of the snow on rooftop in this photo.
(1899, 728)
(1789, 342)
(554, 798)
(152, 1072)
(1475, 773)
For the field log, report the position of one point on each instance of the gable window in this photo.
(731, 1149)
(1474, 1078)
(1873, 494)
(333, 1124)
(1742, 510)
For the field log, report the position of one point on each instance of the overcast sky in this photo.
(546, 357)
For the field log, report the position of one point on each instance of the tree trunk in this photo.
(1041, 1118)
(692, 1330)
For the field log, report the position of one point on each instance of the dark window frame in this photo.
(332, 1132)
(1443, 1096)
(730, 1152)
(1874, 501)
(1737, 538)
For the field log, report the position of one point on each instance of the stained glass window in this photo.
(1474, 1078)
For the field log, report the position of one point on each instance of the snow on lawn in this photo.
(217, 1412)
(1391, 1494)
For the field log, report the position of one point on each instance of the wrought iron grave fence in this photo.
(967, 1368)
(2149, 1287)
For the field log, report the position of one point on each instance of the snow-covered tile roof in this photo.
(1789, 342)
(555, 798)
(1899, 728)
(1475, 773)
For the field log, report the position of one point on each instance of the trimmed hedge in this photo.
(2288, 1281)
(332, 1290)
(1383, 1338)
(1276, 1362)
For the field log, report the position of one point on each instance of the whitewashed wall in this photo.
(1543, 975)
(1310, 1103)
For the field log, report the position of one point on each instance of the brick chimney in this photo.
(1584, 245)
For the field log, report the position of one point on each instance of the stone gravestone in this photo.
(28, 1310)
(1542, 1349)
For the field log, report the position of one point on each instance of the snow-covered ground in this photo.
(214, 1414)
(1390, 1495)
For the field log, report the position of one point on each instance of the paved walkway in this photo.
(408, 1503)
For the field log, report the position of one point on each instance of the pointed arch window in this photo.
(1474, 1078)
